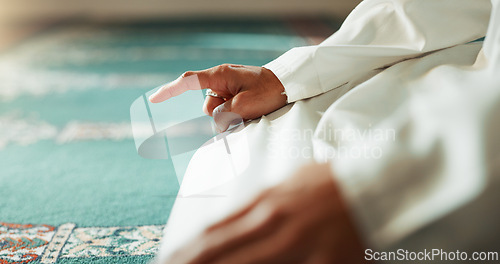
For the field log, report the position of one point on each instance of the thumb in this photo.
(226, 115)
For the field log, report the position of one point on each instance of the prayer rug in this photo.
(72, 187)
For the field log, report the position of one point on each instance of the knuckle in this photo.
(274, 212)
(267, 217)
(242, 104)
(224, 68)
(238, 102)
(187, 74)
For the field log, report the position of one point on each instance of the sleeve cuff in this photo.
(296, 71)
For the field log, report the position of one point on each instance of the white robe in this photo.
(399, 82)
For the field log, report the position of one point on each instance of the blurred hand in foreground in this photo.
(302, 220)
(247, 91)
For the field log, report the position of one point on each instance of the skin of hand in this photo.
(247, 92)
(302, 220)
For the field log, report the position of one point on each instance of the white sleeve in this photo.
(379, 33)
(418, 142)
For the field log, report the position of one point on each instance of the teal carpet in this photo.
(72, 187)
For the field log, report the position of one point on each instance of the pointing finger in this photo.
(188, 81)
(219, 78)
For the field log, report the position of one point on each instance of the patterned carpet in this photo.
(72, 187)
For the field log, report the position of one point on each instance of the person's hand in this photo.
(248, 91)
(302, 220)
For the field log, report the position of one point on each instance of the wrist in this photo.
(277, 90)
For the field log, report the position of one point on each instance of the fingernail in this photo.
(151, 97)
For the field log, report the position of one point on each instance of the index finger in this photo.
(187, 81)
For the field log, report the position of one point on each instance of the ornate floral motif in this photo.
(23, 243)
(27, 243)
(112, 241)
